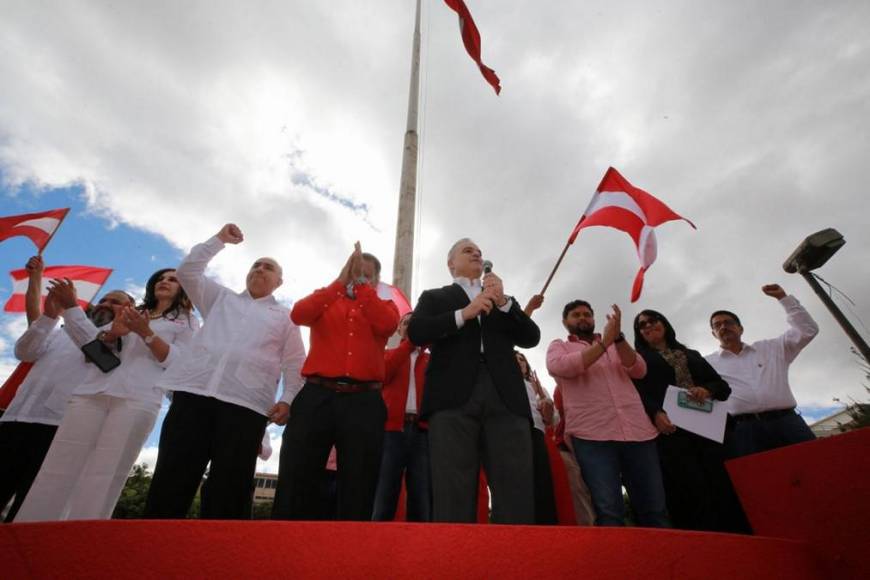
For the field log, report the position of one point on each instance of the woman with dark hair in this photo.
(697, 488)
(112, 412)
(542, 415)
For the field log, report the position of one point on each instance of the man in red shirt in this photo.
(340, 403)
(406, 441)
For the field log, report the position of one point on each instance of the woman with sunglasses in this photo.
(697, 487)
(112, 412)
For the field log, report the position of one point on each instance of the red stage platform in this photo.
(813, 497)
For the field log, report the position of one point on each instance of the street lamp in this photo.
(812, 253)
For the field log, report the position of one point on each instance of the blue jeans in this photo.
(606, 465)
(405, 452)
(757, 435)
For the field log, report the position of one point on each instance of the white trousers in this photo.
(89, 459)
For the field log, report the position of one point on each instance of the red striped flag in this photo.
(39, 227)
(387, 292)
(471, 40)
(618, 204)
(87, 280)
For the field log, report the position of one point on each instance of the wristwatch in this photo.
(619, 338)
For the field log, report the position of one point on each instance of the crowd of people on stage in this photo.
(453, 414)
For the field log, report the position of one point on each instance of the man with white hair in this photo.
(224, 387)
(475, 398)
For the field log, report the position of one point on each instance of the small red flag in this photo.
(87, 280)
(618, 204)
(39, 227)
(471, 40)
(387, 292)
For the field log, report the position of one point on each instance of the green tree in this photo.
(131, 504)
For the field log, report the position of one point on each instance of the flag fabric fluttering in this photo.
(471, 40)
(87, 281)
(39, 226)
(618, 204)
(13, 381)
(387, 292)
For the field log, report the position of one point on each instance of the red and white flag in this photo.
(87, 280)
(387, 292)
(471, 40)
(618, 204)
(39, 227)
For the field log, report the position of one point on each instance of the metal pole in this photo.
(838, 315)
(403, 256)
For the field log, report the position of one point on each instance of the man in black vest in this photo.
(475, 399)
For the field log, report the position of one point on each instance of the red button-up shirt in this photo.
(348, 336)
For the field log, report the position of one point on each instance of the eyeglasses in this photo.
(722, 323)
(647, 322)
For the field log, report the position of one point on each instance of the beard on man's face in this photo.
(582, 328)
(102, 315)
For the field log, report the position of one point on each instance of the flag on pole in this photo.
(618, 204)
(471, 40)
(39, 227)
(387, 292)
(87, 281)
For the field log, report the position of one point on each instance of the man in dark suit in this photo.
(475, 398)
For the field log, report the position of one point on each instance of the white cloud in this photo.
(749, 119)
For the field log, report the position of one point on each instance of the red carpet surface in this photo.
(200, 549)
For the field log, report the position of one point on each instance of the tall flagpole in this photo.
(403, 258)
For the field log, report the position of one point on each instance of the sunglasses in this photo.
(647, 322)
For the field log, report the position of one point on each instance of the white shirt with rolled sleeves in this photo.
(137, 376)
(59, 367)
(758, 375)
(244, 346)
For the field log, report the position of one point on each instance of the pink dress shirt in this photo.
(601, 403)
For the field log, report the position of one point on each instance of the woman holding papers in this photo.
(697, 487)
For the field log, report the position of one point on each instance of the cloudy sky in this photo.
(158, 122)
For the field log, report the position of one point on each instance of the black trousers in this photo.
(22, 448)
(698, 489)
(545, 498)
(197, 430)
(319, 419)
(482, 431)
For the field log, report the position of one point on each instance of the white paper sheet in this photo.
(710, 425)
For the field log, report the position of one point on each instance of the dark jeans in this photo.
(319, 419)
(483, 430)
(697, 486)
(405, 453)
(197, 430)
(606, 465)
(22, 448)
(545, 498)
(756, 435)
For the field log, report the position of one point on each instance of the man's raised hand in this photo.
(231, 234)
(35, 266)
(774, 291)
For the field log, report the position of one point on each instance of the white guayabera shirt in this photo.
(758, 375)
(59, 368)
(244, 346)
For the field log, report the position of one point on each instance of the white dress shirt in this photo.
(473, 289)
(537, 417)
(411, 402)
(59, 368)
(137, 376)
(244, 346)
(758, 374)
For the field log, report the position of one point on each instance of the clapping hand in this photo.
(135, 321)
(63, 292)
(613, 326)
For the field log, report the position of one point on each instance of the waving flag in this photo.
(39, 227)
(87, 280)
(618, 204)
(471, 40)
(387, 292)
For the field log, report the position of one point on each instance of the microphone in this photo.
(487, 266)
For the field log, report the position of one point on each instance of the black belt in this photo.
(763, 416)
(343, 386)
(413, 418)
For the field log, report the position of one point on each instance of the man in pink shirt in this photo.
(611, 434)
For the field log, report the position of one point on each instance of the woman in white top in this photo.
(542, 409)
(111, 413)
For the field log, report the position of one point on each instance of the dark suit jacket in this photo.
(455, 354)
(659, 374)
